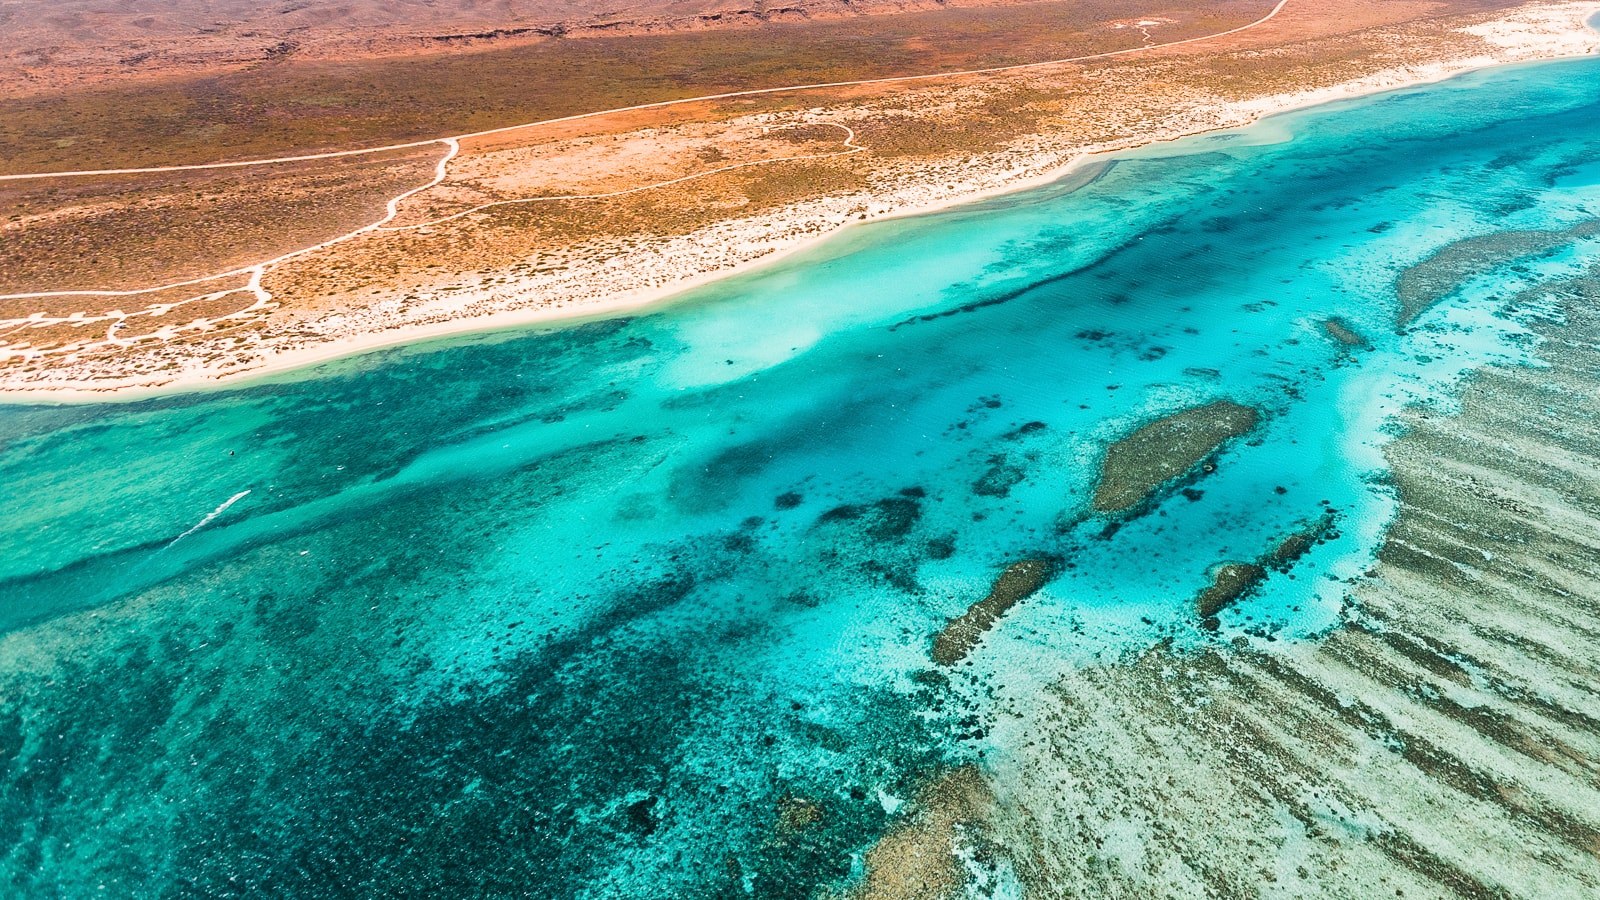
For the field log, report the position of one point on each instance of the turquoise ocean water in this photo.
(580, 612)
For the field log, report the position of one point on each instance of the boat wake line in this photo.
(209, 517)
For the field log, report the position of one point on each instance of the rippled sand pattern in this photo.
(1443, 741)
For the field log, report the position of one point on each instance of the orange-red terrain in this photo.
(142, 279)
(83, 42)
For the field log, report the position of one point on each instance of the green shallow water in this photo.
(579, 612)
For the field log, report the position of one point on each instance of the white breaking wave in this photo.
(209, 516)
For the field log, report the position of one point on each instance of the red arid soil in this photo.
(55, 43)
(677, 158)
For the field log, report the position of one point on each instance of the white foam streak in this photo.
(210, 516)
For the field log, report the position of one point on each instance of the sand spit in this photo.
(1444, 741)
(600, 280)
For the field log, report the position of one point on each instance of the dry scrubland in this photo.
(63, 44)
(295, 104)
(752, 175)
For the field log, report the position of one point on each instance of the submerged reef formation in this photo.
(1136, 466)
(1340, 330)
(1447, 269)
(1018, 582)
(1440, 742)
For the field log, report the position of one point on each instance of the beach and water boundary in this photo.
(650, 604)
(286, 363)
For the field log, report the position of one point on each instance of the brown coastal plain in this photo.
(144, 279)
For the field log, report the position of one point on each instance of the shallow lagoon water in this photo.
(582, 612)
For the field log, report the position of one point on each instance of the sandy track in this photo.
(453, 144)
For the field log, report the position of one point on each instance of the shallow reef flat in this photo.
(1442, 741)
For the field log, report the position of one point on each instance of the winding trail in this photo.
(256, 272)
(115, 319)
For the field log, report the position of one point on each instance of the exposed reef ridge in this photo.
(1161, 452)
(1018, 582)
(1233, 581)
(1298, 544)
(1229, 582)
(917, 860)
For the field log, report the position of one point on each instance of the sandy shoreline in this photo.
(1532, 34)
